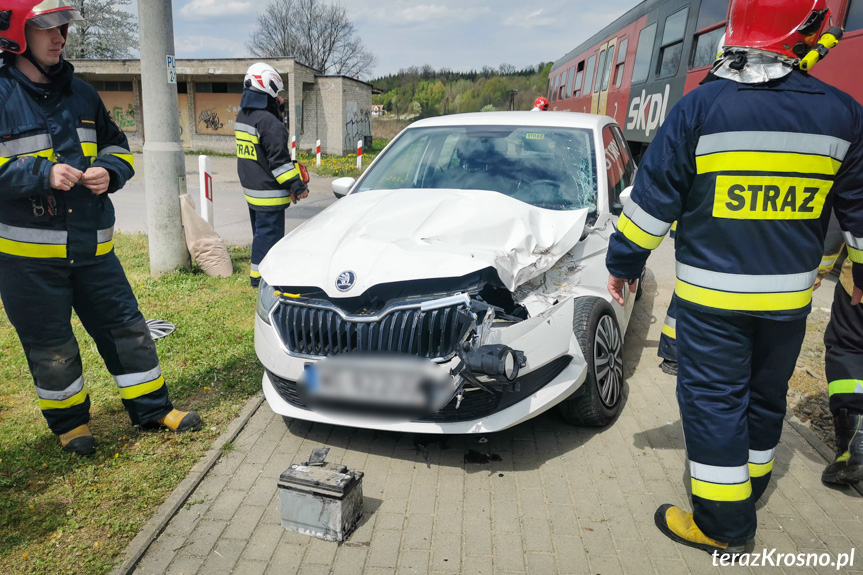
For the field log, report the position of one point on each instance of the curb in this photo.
(154, 527)
(819, 446)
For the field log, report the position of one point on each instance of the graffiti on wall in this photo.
(209, 120)
(357, 126)
(124, 118)
(121, 108)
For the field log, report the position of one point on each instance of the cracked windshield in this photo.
(551, 168)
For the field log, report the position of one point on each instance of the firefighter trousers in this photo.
(39, 298)
(668, 338)
(268, 227)
(733, 373)
(843, 361)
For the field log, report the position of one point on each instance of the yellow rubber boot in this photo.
(679, 526)
(181, 421)
(79, 441)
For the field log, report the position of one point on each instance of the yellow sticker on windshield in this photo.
(534, 136)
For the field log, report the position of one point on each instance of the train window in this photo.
(576, 90)
(671, 48)
(561, 92)
(712, 12)
(621, 57)
(568, 93)
(606, 76)
(706, 48)
(588, 74)
(554, 90)
(644, 54)
(854, 17)
(599, 68)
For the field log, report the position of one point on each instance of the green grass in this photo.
(63, 514)
(341, 166)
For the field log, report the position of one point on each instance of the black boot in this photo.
(848, 465)
(668, 366)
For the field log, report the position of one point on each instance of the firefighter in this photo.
(749, 164)
(271, 182)
(540, 105)
(843, 364)
(61, 157)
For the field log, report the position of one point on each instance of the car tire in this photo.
(597, 402)
(640, 290)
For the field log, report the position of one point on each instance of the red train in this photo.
(638, 67)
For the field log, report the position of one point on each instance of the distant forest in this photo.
(423, 91)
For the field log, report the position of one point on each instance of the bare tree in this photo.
(108, 31)
(316, 33)
(507, 69)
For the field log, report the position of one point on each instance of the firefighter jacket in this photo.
(40, 125)
(750, 172)
(834, 245)
(263, 159)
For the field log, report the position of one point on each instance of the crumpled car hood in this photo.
(386, 236)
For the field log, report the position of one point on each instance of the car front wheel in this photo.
(598, 401)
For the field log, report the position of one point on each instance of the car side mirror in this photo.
(617, 208)
(342, 186)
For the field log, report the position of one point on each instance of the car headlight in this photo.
(267, 300)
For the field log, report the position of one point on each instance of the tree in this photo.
(107, 32)
(314, 32)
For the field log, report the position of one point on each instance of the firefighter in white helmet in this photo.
(270, 180)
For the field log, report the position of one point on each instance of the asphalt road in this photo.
(230, 211)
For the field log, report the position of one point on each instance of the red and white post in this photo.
(360, 155)
(318, 152)
(205, 205)
(293, 148)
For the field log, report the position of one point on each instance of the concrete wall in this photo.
(334, 109)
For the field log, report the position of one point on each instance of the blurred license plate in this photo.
(405, 383)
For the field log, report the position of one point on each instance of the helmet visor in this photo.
(56, 19)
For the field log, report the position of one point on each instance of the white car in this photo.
(459, 286)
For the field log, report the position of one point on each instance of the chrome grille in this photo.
(319, 330)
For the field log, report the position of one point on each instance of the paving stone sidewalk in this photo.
(560, 499)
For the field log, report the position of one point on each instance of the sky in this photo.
(457, 34)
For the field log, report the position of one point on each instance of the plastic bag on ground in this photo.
(206, 247)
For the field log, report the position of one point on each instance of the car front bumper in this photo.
(556, 369)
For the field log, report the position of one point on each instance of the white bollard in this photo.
(293, 148)
(360, 155)
(318, 152)
(205, 206)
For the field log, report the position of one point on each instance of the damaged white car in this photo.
(459, 286)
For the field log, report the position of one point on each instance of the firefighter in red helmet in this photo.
(61, 158)
(540, 104)
(749, 164)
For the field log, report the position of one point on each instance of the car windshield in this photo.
(548, 167)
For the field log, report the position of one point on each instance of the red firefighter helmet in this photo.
(541, 103)
(786, 27)
(41, 14)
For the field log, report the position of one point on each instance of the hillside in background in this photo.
(420, 92)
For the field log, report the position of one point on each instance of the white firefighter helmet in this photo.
(264, 78)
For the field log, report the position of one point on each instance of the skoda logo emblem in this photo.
(346, 281)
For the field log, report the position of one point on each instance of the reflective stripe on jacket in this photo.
(40, 125)
(263, 160)
(750, 173)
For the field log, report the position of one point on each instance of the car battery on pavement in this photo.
(323, 500)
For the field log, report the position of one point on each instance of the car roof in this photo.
(556, 119)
